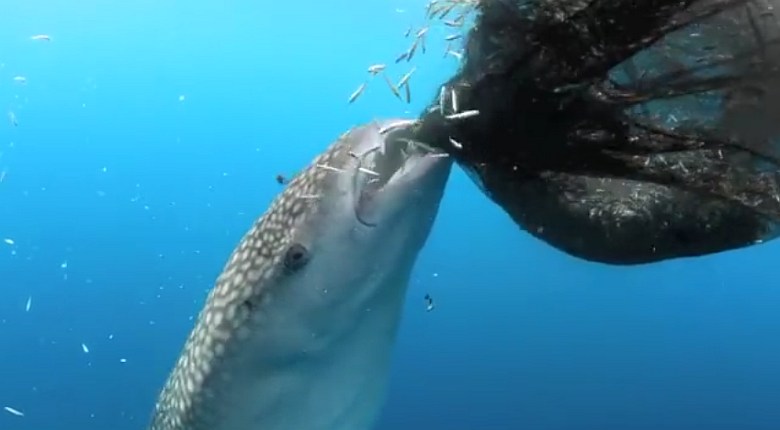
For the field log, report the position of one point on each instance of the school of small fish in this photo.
(12, 118)
(452, 14)
(22, 80)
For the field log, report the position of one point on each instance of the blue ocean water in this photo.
(147, 139)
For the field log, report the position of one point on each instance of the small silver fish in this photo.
(392, 86)
(463, 115)
(13, 411)
(405, 78)
(376, 69)
(357, 93)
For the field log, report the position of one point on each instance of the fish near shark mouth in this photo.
(382, 167)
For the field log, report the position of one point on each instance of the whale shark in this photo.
(298, 331)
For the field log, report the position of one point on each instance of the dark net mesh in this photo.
(621, 131)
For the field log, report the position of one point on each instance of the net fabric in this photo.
(622, 131)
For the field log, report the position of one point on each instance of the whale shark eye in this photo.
(296, 257)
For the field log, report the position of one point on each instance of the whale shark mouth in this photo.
(385, 165)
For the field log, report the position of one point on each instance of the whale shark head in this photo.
(367, 202)
(298, 331)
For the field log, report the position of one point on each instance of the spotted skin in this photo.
(275, 350)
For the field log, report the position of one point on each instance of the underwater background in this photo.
(144, 138)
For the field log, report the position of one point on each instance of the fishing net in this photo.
(621, 131)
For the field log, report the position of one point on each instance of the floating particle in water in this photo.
(43, 37)
(20, 80)
(182, 98)
(8, 241)
(28, 305)
(12, 119)
(64, 265)
(84, 348)
(123, 360)
(13, 411)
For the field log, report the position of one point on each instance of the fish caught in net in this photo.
(623, 132)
